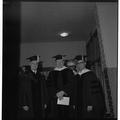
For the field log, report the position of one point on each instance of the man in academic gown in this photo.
(32, 91)
(90, 102)
(71, 65)
(59, 85)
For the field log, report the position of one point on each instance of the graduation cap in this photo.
(34, 58)
(59, 57)
(80, 58)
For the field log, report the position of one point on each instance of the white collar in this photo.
(60, 69)
(34, 71)
(83, 71)
(75, 73)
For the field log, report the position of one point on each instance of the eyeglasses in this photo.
(34, 63)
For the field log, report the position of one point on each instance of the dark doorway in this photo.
(11, 42)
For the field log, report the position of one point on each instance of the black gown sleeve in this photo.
(98, 98)
(50, 85)
(22, 96)
(68, 88)
(44, 92)
(24, 90)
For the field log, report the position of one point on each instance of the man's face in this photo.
(80, 66)
(59, 63)
(34, 65)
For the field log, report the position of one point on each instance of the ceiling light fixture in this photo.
(64, 34)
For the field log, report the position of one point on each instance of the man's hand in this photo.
(89, 108)
(60, 94)
(73, 106)
(45, 106)
(26, 108)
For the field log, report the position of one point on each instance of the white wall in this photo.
(107, 13)
(48, 49)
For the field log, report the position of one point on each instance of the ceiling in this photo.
(42, 21)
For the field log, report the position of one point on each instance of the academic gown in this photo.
(59, 80)
(89, 92)
(33, 93)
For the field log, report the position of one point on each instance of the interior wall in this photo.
(107, 16)
(48, 49)
(107, 13)
(33, 42)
